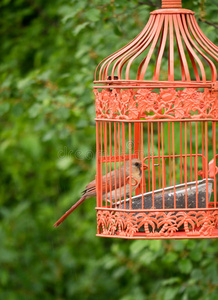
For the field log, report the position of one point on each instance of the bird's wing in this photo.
(90, 189)
(110, 181)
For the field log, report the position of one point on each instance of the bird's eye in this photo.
(137, 164)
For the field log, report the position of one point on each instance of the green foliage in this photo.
(49, 51)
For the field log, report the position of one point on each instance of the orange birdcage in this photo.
(167, 120)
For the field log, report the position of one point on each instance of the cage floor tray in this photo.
(195, 191)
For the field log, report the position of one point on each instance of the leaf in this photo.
(170, 293)
(80, 28)
(4, 108)
(62, 113)
(7, 256)
(138, 246)
(147, 258)
(170, 257)
(48, 135)
(185, 265)
(34, 110)
(171, 281)
(20, 208)
(93, 14)
(64, 163)
(17, 109)
(155, 245)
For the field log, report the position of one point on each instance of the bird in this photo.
(212, 169)
(116, 183)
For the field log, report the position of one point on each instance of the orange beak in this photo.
(144, 166)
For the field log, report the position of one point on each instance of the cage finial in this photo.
(171, 4)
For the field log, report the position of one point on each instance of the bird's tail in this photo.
(67, 213)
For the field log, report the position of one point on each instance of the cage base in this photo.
(177, 235)
(154, 224)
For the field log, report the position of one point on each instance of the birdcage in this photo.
(164, 116)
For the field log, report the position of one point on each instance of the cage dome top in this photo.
(151, 59)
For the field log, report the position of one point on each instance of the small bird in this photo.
(212, 169)
(111, 183)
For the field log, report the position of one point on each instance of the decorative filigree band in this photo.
(146, 104)
(156, 224)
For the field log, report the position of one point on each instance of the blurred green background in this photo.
(49, 51)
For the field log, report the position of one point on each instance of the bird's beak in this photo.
(144, 166)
